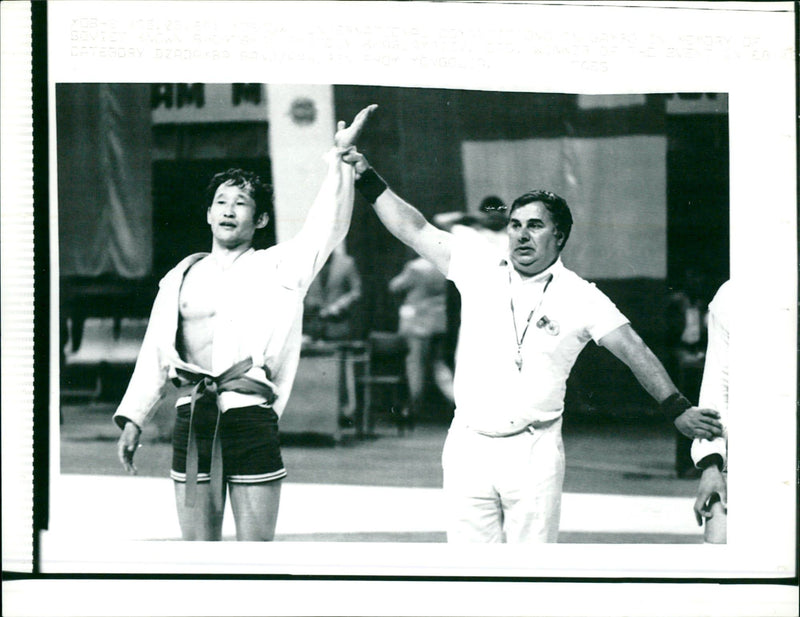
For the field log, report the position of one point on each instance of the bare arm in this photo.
(446, 220)
(401, 282)
(628, 346)
(407, 223)
(355, 288)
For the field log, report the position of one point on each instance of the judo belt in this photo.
(233, 379)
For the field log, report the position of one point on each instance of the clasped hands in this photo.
(346, 137)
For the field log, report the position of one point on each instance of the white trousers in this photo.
(503, 489)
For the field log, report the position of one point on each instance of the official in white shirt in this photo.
(524, 320)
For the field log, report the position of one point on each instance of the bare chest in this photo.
(199, 294)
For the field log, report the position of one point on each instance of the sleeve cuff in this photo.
(703, 448)
(710, 461)
(121, 420)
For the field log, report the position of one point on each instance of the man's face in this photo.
(533, 239)
(231, 216)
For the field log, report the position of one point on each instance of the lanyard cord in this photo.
(519, 339)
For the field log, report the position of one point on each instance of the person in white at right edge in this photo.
(524, 320)
(711, 456)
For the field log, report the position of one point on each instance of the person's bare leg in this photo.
(415, 367)
(203, 521)
(255, 510)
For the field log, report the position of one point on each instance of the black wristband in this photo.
(674, 405)
(370, 185)
(709, 460)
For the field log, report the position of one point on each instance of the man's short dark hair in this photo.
(492, 203)
(556, 206)
(247, 180)
(494, 212)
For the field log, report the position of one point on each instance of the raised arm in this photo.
(446, 220)
(328, 219)
(628, 346)
(402, 219)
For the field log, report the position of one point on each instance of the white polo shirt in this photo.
(492, 395)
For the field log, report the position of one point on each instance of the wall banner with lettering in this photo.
(197, 103)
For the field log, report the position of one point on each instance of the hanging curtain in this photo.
(104, 150)
(615, 186)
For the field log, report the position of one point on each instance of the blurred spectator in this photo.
(332, 299)
(422, 324)
(490, 222)
(687, 317)
(330, 308)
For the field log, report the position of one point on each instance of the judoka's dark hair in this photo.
(247, 180)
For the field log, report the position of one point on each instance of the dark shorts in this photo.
(248, 436)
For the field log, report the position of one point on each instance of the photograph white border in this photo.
(744, 49)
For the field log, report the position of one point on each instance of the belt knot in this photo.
(209, 384)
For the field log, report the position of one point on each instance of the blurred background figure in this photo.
(493, 220)
(489, 222)
(687, 337)
(423, 323)
(332, 300)
(330, 316)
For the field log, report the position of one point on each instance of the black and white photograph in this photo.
(334, 297)
(379, 338)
